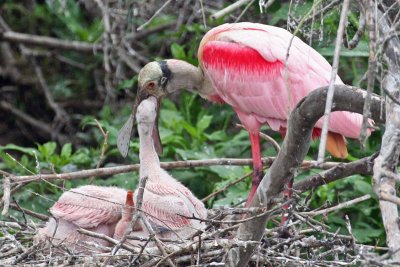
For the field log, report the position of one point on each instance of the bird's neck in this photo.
(147, 153)
(186, 76)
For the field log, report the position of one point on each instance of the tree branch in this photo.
(294, 148)
(49, 42)
(390, 150)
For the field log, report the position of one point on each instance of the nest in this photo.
(303, 241)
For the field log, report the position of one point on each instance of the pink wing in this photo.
(90, 206)
(163, 205)
(246, 64)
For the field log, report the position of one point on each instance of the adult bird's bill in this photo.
(124, 135)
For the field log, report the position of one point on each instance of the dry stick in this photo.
(229, 9)
(157, 241)
(105, 237)
(357, 36)
(49, 42)
(105, 143)
(203, 14)
(154, 16)
(372, 32)
(362, 166)
(331, 90)
(107, 171)
(6, 194)
(213, 194)
(337, 207)
(29, 212)
(265, 136)
(244, 11)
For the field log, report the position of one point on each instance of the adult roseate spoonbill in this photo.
(164, 198)
(245, 66)
(96, 208)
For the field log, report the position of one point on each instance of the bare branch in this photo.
(229, 9)
(331, 91)
(49, 42)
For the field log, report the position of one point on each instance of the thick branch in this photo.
(390, 150)
(363, 166)
(294, 148)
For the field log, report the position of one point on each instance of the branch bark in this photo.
(390, 150)
(293, 151)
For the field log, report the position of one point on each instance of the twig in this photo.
(154, 16)
(337, 207)
(213, 194)
(105, 143)
(229, 9)
(244, 11)
(29, 212)
(105, 237)
(357, 36)
(331, 90)
(266, 137)
(363, 166)
(372, 31)
(158, 243)
(6, 194)
(50, 42)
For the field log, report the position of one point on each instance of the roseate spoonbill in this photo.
(165, 199)
(95, 208)
(245, 65)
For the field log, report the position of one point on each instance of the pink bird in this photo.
(245, 66)
(95, 208)
(168, 204)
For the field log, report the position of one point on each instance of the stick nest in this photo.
(303, 242)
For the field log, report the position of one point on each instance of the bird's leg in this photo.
(257, 165)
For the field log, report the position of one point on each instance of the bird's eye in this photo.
(151, 85)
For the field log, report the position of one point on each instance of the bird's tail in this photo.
(336, 145)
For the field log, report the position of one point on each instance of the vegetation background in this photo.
(50, 99)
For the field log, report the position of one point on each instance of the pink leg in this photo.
(257, 165)
(287, 193)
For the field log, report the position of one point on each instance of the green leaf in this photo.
(360, 51)
(47, 149)
(203, 123)
(66, 151)
(177, 51)
(30, 151)
(127, 84)
(363, 187)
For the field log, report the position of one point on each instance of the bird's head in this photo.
(146, 112)
(157, 79)
(153, 80)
